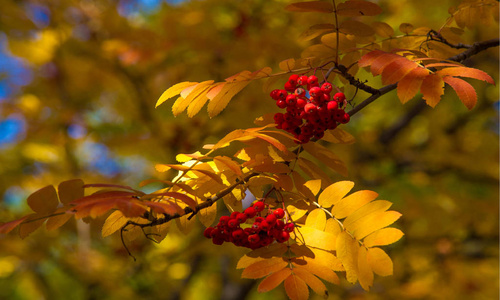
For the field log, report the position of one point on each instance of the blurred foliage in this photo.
(84, 107)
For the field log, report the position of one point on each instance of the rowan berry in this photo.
(279, 213)
(326, 87)
(293, 79)
(312, 80)
(302, 80)
(250, 212)
(339, 97)
(259, 206)
(310, 108)
(283, 237)
(208, 231)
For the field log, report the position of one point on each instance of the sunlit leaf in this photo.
(464, 90)
(316, 219)
(321, 271)
(365, 273)
(351, 203)
(59, 218)
(114, 222)
(173, 91)
(466, 72)
(183, 102)
(312, 281)
(410, 84)
(347, 252)
(313, 237)
(382, 237)
(372, 207)
(432, 89)
(372, 222)
(273, 250)
(380, 262)
(313, 185)
(332, 194)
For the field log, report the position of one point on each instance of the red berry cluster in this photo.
(264, 230)
(308, 113)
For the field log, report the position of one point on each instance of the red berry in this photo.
(282, 94)
(281, 103)
(289, 227)
(293, 79)
(208, 232)
(218, 240)
(339, 97)
(223, 220)
(278, 117)
(279, 225)
(345, 118)
(279, 213)
(291, 100)
(302, 80)
(310, 108)
(241, 218)
(259, 206)
(271, 219)
(289, 86)
(312, 80)
(300, 92)
(301, 102)
(238, 234)
(326, 87)
(283, 237)
(315, 92)
(332, 105)
(250, 212)
(254, 238)
(233, 223)
(264, 226)
(234, 214)
(274, 94)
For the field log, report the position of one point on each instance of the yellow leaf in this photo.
(312, 281)
(185, 226)
(327, 157)
(273, 280)
(380, 262)
(354, 8)
(313, 185)
(373, 222)
(70, 190)
(347, 252)
(316, 219)
(287, 65)
(114, 222)
(372, 207)
(264, 267)
(334, 193)
(332, 226)
(365, 273)
(273, 250)
(338, 136)
(382, 237)
(351, 203)
(297, 210)
(173, 91)
(296, 288)
(43, 201)
(227, 163)
(182, 102)
(219, 102)
(325, 259)
(313, 237)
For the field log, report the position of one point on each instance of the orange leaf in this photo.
(7, 227)
(264, 267)
(432, 88)
(44, 201)
(466, 72)
(410, 84)
(397, 69)
(320, 270)
(183, 197)
(273, 280)
(311, 6)
(381, 62)
(367, 59)
(168, 208)
(296, 288)
(115, 221)
(58, 220)
(33, 222)
(382, 29)
(354, 8)
(464, 90)
(312, 281)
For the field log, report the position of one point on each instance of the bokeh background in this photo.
(78, 84)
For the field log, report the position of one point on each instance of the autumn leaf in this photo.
(264, 267)
(272, 281)
(432, 89)
(354, 8)
(296, 288)
(311, 6)
(365, 273)
(347, 251)
(382, 237)
(465, 92)
(351, 203)
(44, 201)
(379, 261)
(173, 91)
(334, 193)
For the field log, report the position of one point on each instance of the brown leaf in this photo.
(355, 8)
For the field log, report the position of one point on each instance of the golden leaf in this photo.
(115, 221)
(173, 91)
(380, 262)
(372, 207)
(351, 203)
(373, 222)
(313, 185)
(273, 280)
(313, 237)
(312, 281)
(382, 237)
(296, 288)
(316, 219)
(347, 252)
(334, 193)
(365, 273)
